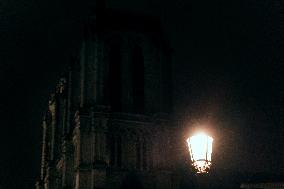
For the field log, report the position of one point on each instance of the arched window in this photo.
(115, 77)
(138, 79)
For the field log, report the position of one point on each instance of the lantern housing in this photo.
(200, 149)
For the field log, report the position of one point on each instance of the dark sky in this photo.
(227, 67)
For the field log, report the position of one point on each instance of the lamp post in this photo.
(200, 150)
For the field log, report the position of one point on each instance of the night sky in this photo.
(227, 69)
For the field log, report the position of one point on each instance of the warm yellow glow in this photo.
(200, 148)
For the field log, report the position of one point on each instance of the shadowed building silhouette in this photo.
(107, 124)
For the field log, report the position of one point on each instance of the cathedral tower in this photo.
(107, 124)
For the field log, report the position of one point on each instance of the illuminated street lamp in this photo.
(200, 149)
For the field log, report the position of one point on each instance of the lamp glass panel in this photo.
(209, 152)
(198, 144)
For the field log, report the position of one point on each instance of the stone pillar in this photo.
(52, 129)
(39, 185)
(99, 123)
(68, 164)
(83, 151)
(43, 150)
(83, 178)
(50, 181)
(89, 153)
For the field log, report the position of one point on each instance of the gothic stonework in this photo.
(107, 123)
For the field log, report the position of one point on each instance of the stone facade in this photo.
(107, 124)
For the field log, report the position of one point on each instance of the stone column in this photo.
(68, 164)
(100, 157)
(43, 150)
